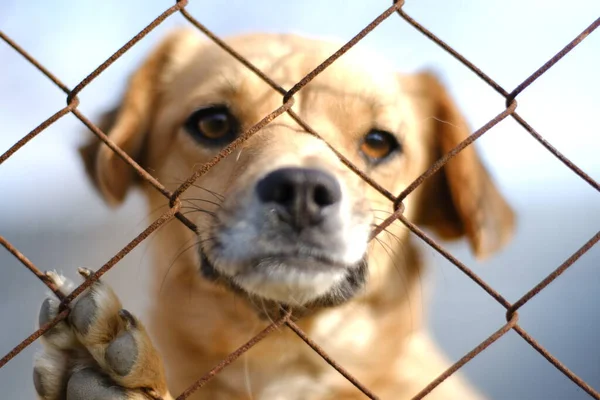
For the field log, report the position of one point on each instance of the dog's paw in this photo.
(100, 351)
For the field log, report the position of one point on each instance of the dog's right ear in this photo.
(462, 198)
(128, 125)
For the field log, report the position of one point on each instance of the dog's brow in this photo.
(297, 129)
(342, 93)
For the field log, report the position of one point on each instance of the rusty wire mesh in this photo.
(287, 102)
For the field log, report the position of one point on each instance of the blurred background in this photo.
(49, 211)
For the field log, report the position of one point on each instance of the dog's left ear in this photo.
(128, 126)
(461, 199)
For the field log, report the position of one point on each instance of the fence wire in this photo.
(512, 317)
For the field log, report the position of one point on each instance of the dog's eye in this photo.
(212, 125)
(377, 145)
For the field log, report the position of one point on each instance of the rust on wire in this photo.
(555, 274)
(298, 331)
(570, 164)
(35, 63)
(124, 156)
(30, 266)
(510, 97)
(58, 115)
(137, 168)
(452, 52)
(557, 364)
(232, 52)
(124, 48)
(452, 153)
(468, 357)
(556, 58)
(287, 107)
(23, 141)
(124, 251)
(33, 337)
(235, 355)
(467, 271)
(321, 67)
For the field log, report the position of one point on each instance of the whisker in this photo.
(247, 379)
(264, 309)
(398, 239)
(190, 199)
(218, 196)
(298, 305)
(179, 181)
(149, 241)
(383, 211)
(180, 253)
(387, 248)
(401, 273)
(198, 210)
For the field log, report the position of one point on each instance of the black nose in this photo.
(302, 197)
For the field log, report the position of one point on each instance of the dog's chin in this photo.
(289, 279)
(293, 281)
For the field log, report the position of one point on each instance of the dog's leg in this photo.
(100, 351)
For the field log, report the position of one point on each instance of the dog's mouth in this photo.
(297, 278)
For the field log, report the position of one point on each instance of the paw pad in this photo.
(48, 312)
(38, 382)
(87, 384)
(83, 313)
(122, 353)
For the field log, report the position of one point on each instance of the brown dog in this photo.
(281, 221)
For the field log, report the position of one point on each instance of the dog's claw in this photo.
(128, 319)
(85, 272)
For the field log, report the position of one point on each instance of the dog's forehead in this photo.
(286, 59)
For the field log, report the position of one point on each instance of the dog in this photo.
(282, 224)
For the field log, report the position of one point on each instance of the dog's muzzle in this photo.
(295, 239)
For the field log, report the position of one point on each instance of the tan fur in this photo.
(377, 336)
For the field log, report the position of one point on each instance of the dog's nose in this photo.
(302, 197)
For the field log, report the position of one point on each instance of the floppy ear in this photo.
(461, 199)
(128, 125)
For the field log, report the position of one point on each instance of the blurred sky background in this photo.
(48, 210)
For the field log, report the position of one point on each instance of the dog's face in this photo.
(282, 218)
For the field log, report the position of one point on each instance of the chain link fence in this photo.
(174, 212)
